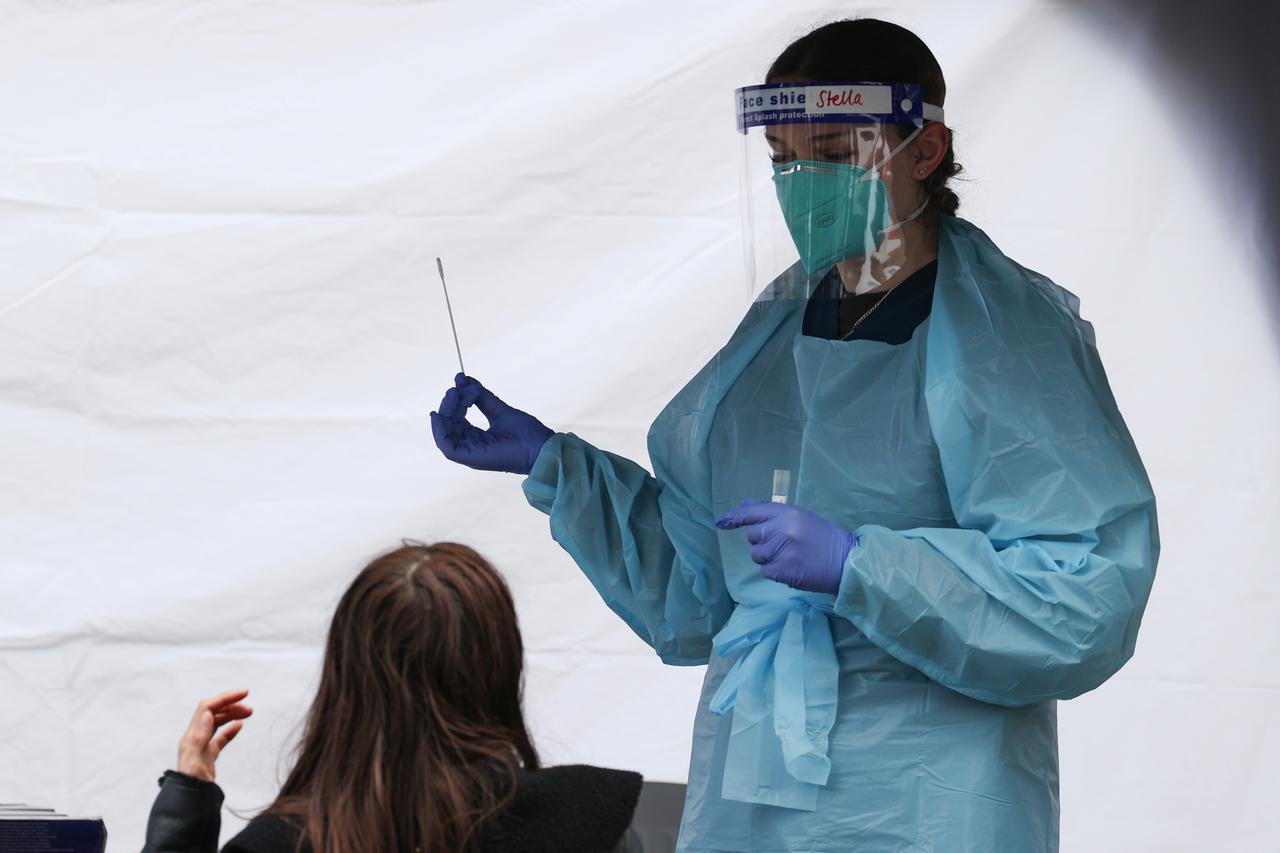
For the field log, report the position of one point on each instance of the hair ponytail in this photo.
(942, 199)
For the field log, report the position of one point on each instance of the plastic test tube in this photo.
(781, 485)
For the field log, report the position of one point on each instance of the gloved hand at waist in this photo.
(793, 545)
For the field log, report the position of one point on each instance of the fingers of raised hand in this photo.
(200, 729)
(238, 711)
(224, 736)
(221, 701)
(216, 710)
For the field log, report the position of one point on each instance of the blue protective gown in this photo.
(1007, 546)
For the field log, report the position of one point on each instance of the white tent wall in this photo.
(221, 331)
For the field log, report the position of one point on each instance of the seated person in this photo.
(416, 739)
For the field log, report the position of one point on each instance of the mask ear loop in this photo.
(908, 218)
(874, 171)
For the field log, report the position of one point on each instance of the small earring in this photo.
(924, 171)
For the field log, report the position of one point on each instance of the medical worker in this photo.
(898, 514)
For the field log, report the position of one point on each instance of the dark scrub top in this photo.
(832, 310)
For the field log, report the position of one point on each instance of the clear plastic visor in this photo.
(826, 182)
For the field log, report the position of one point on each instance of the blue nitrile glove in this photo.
(511, 443)
(792, 545)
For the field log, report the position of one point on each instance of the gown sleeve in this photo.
(612, 517)
(1039, 592)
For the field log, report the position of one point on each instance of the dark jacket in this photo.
(573, 808)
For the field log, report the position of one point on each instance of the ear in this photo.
(928, 149)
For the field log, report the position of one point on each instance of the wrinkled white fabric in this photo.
(221, 331)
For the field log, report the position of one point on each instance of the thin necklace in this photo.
(858, 322)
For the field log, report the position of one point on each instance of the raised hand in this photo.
(215, 723)
(511, 443)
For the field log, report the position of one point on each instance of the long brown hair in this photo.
(416, 731)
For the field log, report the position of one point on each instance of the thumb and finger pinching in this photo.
(489, 404)
(747, 513)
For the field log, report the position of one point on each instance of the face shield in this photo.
(824, 184)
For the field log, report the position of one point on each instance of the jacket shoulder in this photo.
(266, 833)
(573, 807)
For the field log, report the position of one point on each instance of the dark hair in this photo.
(416, 731)
(868, 49)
